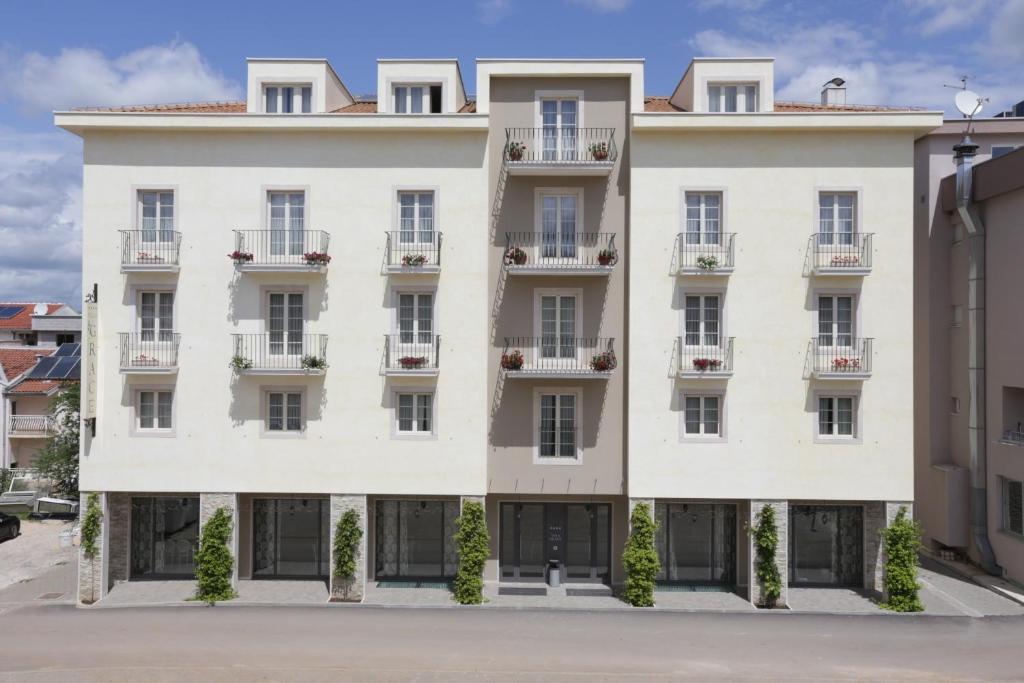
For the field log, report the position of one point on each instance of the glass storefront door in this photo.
(577, 535)
(290, 538)
(164, 537)
(414, 539)
(696, 543)
(826, 545)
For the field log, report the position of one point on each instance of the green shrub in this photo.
(766, 541)
(902, 541)
(347, 536)
(58, 461)
(640, 558)
(90, 527)
(473, 543)
(214, 562)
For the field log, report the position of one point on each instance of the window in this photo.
(702, 316)
(416, 217)
(723, 97)
(702, 416)
(153, 411)
(835, 320)
(1000, 150)
(836, 416)
(156, 316)
(284, 323)
(559, 119)
(288, 99)
(703, 217)
(415, 413)
(1013, 515)
(558, 325)
(558, 413)
(836, 212)
(65, 339)
(284, 411)
(417, 99)
(287, 213)
(415, 318)
(558, 225)
(156, 216)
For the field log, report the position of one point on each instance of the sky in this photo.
(57, 54)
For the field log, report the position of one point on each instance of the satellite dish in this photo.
(968, 102)
(40, 309)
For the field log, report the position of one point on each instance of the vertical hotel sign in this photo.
(89, 359)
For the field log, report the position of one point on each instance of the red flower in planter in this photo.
(240, 256)
(607, 257)
(846, 364)
(317, 258)
(412, 362)
(414, 260)
(603, 362)
(515, 256)
(704, 364)
(516, 150)
(512, 361)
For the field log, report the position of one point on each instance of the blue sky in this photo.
(57, 54)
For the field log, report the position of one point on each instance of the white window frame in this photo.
(702, 437)
(538, 221)
(702, 235)
(684, 293)
(577, 392)
(855, 332)
(538, 294)
(1004, 506)
(417, 292)
(424, 97)
(265, 430)
(158, 293)
(857, 425)
(417, 392)
(417, 229)
(297, 97)
(539, 97)
(139, 214)
(741, 96)
(289, 240)
(265, 293)
(834, 238)
(136, 428)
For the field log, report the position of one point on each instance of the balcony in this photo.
(544, 253)
(705, 253)
(150, 251)
(411, 355)
(1013, 437)
(279, 353)
(281, 251)
(703, 362)
(149, 353)
(839, 253)
(30, 426)
(412, 252)
(841, 358)
(559, 357)
(560, 151)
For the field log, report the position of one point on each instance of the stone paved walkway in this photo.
(262, 592)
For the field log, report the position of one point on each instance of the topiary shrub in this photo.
(347, 536)
(473, 543)
(766, 542)
(214, 562)
(90, 527)
(640, 558)
(902, 541)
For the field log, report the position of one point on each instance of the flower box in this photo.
(515, 256)
(844, 364)
(311, 362)
(241, 256)
(705, 364)
(603, 362)
(146, 257)
(515, 151)
(707, 262)
(413, 260)
(512, 361)
(845, 261)
(599, 151)
(607, 257)
(317, 258)
(412, 362)
(145, 361)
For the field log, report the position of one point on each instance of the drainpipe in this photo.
(971, 218)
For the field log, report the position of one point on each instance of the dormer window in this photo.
(732, 97)
(417, 98)
(293, 98)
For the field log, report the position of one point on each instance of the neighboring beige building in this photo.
(431, 298)
(969, 383)
(40, 324)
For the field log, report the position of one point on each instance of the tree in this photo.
(58, 461)
(902, 541)
(766, 541)
(473, 542)
(214, 563)
(347, 536)
(640, 558)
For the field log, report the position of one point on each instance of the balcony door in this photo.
(703, 218)
(702, 322)
(415, 320)
(559, 125)
(836, 218)
(415, 218)
(835, 321)
(156, 317)
(156, 217)
(559, 219)
(287, 212)
(284, 323)
(559, 323)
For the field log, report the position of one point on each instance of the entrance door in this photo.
(414, 539)
(697, 543)
(290, 538)
(826, 545)
(164, 537)
(577, 535)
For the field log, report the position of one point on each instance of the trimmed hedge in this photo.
(214, 563)
(640, 558)
(902, 541)
(473, 543)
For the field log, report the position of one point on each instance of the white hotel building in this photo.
(559, 297)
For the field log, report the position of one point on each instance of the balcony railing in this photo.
(411, 353)
(271, 250)
(580, 148)
(150, 250)
(155, 351)
(713, 360)
(841, 357)
(577, 253)
(282, 353)
(30, 425)
(1014, 437)
(705, 252)
(840, 253)
(559, 356)
(413, 251)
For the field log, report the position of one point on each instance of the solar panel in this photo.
(69, 350)
(9, 311)
(43, 367)
(64, 367)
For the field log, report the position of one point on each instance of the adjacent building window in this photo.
(153, 411)
(156, 316)
(65, 339)
(1013, 501)
(558, 425)
(558, 218)
(415, 414)
(415, 318)
(836, 217)
(1000, 150)
(702, 416)
(288, 99)
(559, 119)
(702, 320)
(156, 216)
(284, 411)
(558, 323)
(731, 97)
(417, 99)
(835, 320)
(837, 416)
(416, 217)
(286, 212)
(284, 323)
(703, 217)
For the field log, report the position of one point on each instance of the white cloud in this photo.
(603, 6)
(80, 77)
(1006, 31)
(492, 11)
(735, 5)
(940, 16)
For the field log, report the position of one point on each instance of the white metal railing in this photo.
(30, 424)
(1014, 436)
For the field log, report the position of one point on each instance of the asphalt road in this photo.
(62, 643)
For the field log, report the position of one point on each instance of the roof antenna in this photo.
(968, 103)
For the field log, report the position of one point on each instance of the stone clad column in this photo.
(208, 504)
(781, 508)
(878, 515)
(356, 588)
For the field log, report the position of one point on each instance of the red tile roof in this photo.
(34, 386)
(360, 107)
(659, 104)
(662, 104)
(182, 108)
(16, 360)
(23, 319)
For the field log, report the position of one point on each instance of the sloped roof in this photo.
(23, 319)
(34, 386)
(15, 361)
(183, 108)
(662, 104)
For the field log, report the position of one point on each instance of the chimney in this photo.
(834, 92)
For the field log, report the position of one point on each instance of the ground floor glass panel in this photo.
(696, 542)
(290, 537)
(826, 545)
(414, 538)
(164, 537)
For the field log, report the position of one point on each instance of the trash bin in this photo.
(554, 573)
(66, 539)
